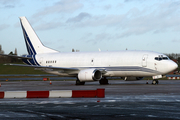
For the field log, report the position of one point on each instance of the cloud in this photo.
(156, 18)
(48, 26)
(107, 7)
(9, 3)
(103, 36)
(9, 6)
(5, 2)
(3, 26)
(176, 40)
(67, 6)
(134, 0)
(99, 38)
(85, 36)
(79, 17)
(100, 20)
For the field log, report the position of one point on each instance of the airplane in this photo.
(93, 66)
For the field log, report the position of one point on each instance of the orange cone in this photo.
(50, 82)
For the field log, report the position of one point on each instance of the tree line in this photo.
(5, 59)
(174, 56)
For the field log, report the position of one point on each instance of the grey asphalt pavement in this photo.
(123, 100)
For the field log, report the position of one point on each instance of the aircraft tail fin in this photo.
(33, 43)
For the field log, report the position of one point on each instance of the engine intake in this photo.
(89, 75)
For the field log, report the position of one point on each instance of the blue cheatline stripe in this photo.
(128, 68)
(32, 61)
(131, 68)
(29, 45)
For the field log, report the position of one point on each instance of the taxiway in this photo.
(123, 100)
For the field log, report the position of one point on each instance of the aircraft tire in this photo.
(103, 81)
(157, 82)
(154, 82)
(79, 83)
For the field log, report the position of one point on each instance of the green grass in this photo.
(8, 69)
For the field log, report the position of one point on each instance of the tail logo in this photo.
(29, 45)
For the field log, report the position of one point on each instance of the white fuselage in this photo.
(92, 66)
(118, 63)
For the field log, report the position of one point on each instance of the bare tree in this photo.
(1, 51)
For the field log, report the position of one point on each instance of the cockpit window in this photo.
(156, 58)
(161, 57)
(165, 58)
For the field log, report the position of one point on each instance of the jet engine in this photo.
(89, 75)
(132, 78)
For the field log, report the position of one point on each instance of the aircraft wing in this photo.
(14, 56)
(46, 67)
(60, 69)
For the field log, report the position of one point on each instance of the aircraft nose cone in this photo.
(173, 66)
(169, 66)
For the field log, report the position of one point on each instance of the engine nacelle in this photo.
(89, 75)
(133, 78)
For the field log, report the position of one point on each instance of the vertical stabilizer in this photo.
(33, 44)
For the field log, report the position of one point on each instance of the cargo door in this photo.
(144, 60)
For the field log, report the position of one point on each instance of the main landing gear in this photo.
(103, 81)
(154, 82)
(78, 82)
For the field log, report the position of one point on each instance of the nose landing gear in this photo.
(154, 82)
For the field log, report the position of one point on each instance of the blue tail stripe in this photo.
(35, 61)
(29, 45)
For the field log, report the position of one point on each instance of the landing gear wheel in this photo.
(154, 82)
(104, 81)
(79, 83)
(157, 82)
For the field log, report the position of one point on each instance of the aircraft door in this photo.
(144, 60)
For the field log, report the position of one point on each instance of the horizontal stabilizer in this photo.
(14, 56)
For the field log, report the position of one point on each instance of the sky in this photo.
(90, 25)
